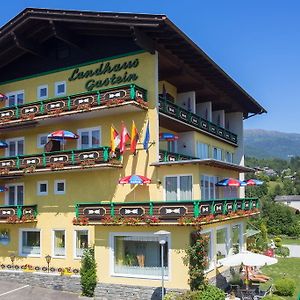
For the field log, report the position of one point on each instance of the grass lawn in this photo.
(289, 267)
(290, 241)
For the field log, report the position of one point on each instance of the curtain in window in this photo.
(185, 187)
(171, 188)
(202, 150)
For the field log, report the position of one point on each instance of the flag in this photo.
(147, 138)
(114, 139)
(124, 138)
(134, 138)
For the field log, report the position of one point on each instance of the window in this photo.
(138, 255)
(42, 140)
(59, 243)
(237, 238)
(15, 98)
(59, 187)
(81, 242)
(178, 187)
(42, 188)
(172, 146)
(89, 138)
(202, 150)
(42, 92)
(14, 194)
(209, 236)
(30, 242)
(60, 88)
(229, 157)
(209, 190)
(222, 239)
(217, 153)
(15, 147)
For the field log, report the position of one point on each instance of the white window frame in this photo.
(75, 241)
(112, 236)
(38, 140)
(15, 93)
(21, 230)
(7, 193)
(228, 239)
(52, 243)
(178, 185)
(38, 92)
(229, 154)
(215, 187)
(56, 192)
(21, 138)
(56, 88)
(89, 129)
(38, 191)
(201, 145)
(241, 233)
(212, 262)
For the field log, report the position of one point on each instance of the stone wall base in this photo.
(72, 284)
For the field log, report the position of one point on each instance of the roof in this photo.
(287, 198)
(29, 30)
(206, 162)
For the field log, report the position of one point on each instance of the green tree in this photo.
(88, 274)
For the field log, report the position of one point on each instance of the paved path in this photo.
(16, 291)
(294, 250)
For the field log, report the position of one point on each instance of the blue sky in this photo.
(256, 42)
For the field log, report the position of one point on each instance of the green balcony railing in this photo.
(165, 156)
(12, 213)
(167, 211)
(179, 113)
(57, 160)
(73, 104)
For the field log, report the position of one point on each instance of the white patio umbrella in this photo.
(247, 258)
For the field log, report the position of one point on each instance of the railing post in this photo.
(105, 153)
(243, 204)
(151, 208)
(112, 209)
(98, 97)
(212, 209)
(19, 211)
(69, 103)
(224, 208)
(35, 211)
(18, 162)
(17, 111)
(235, 205)
(165, 156)
(196, 209)
(132, 92)
(44, 159)
(73, 157)
(42, 107)
(77, 210)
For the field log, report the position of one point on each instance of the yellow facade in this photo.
(56, 211)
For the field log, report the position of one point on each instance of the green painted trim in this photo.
(72, 67)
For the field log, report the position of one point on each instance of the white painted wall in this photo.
(204, 108)
(218, 117)
(187, 100)
(186, 143)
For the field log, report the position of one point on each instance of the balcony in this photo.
(178, 212)
(124, 98)
(165, 156)
(18, 213)
(188, 119)
(58, 161)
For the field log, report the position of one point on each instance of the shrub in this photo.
(278, 241)
(285, 287)
(88, 274)
(210, 292)
(282, 251)
(272, 297)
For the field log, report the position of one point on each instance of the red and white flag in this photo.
(125, 137)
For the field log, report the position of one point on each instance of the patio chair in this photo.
(263, 294)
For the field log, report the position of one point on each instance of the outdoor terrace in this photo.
(58, 160)
(123, 99)
(18, 213)
(171, 212)
(190, 121)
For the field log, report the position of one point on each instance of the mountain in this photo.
(261, 143)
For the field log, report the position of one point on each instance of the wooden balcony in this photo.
(189, 121)
(178, 212)
(58, 161)
(15, 214)
(122, 97)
